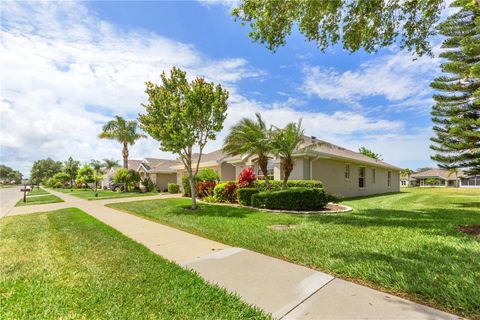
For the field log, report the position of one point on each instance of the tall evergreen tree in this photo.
(456, 113)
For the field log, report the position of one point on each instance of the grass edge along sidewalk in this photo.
(407, 243)
(66, 263)
(38, 196)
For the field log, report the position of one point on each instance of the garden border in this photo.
(346, 208)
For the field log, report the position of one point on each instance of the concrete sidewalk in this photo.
(284, 289)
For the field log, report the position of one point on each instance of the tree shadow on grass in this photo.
(467, 204)
(444, 221)
(214, 211)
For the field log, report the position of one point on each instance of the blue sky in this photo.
(69, 67)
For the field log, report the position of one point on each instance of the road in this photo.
(8, 199)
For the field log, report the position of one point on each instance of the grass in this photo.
(103, 194)
(65, 264)
(38, 196)
(405, 243)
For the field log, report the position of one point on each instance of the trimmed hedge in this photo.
(277, 184)
(298, 199)
(244, 195)
(173, 188)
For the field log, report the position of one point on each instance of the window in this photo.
(269, 171)
(361, 177)
(347, 172)
(389, 179)
(373, 175)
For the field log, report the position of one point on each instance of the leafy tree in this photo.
(61, 177)
(71, 167)
(110, 163)
(7, 174)
(123, 131)
(432, 182)
(456, 112)
(406, 173)
(127, 177)
(284, 143)
(44, 169)
(182, 115)
(250, 138)
(97, 165)
(421, 169)
(370, 153)
(359, 24)
(87, 176)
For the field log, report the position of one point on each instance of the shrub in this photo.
(148, 184)
(244, 195)
(173, 188)
(276, 185)
(247, 178)
(226, 191)
(130, 177)
(186, 186)
(205, 188)
(207, 174)
(210, 199)
(298, 199)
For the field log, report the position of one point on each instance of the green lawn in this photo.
(38, 196)
(103, 194)
(65, 264)
(405, 243)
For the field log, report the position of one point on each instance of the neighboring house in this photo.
(215, 160)
(108, 176)
(160, 171)
(443, 178)
(407, 182)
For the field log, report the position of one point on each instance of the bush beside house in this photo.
(297, 199)
(173, 188)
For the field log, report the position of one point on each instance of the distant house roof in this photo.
(207, 159)
(159, 165)
(438, 173)
(134, 164)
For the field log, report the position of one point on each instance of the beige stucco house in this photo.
(160, 171)
(343, 172)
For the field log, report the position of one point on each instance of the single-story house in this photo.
(408, 182)
(443, 178)
(343, 172)
(160, 171)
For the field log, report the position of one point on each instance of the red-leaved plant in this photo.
(247, 178)
(205, 188)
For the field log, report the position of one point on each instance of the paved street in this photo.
(284, 289)
(8, 199)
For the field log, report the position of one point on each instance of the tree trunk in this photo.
(193, 190)
(125, 155)
(287, 166)
(263, 164)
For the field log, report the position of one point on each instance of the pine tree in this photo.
(456, 112)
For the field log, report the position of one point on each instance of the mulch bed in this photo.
(473, 230)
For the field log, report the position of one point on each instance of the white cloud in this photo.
(65, 72)
(395, 77)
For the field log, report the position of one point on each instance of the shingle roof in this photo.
(134, 164)
(155, 164)
(217, 155)
(438, 173)
(311, 144)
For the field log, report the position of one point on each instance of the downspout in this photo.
(311, 166)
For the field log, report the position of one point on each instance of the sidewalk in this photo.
(286, 290)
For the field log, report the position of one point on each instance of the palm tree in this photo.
(250, 138)
(110, 163)
(123, 131)
(284, 143)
